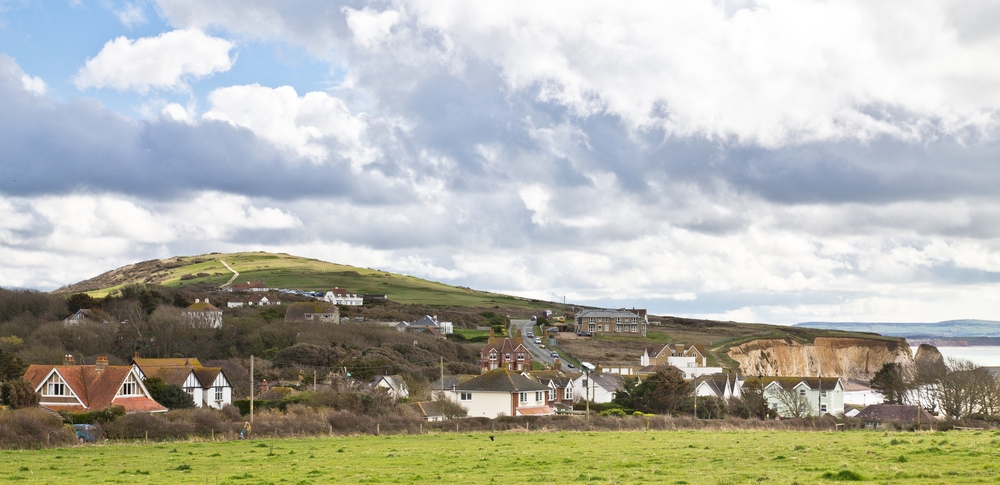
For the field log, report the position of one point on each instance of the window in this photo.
(822, 408)
(590, 327)
(520, 356)
(465, 396)
(538, 396)
(56, 387)
(822, 394)
(493, 356)
(802, 392)
(130, 387)
(635, 328)
(506, 356)
(568, 393)
(218, 393)
(552, 394)
(524, 397)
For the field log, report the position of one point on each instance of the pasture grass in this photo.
(671, 457)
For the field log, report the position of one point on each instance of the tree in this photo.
(893, 382)
(170, 396)
(450, 409)
(82, 301)
(664, 392)
(18, 393)
(11, 367)
(751, 403)
(792, 403)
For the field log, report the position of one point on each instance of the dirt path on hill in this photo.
(231, 280)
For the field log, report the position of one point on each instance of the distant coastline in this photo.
(961, 333)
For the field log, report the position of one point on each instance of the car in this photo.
(531, 334)
(86, 433)
(582, 333)
(542, 346)
(538, 340)
(571, 366)
(554, 354)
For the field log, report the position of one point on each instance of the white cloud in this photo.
(34, 84)
(310, 125)
(131, 15)
(167, 61)
(176, 112)
(369, 27)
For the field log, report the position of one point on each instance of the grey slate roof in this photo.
(894, 412)
(501, 380)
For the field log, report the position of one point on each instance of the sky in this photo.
(775, 161)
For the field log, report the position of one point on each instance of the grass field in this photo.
(671, 457)
(287, 271)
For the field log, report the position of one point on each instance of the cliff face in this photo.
(856, 358)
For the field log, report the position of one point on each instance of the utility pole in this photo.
(442, 376)
(314, 380)
(251, 388)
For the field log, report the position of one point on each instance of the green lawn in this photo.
(672, 457)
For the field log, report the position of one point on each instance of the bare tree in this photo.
(792, 403)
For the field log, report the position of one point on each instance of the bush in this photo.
(33, 428)
(146, 425)
(18, 393)
(105, 415)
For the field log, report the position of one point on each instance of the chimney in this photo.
(680, 349)
(558, 364)
(197, 300)
(101, 363)
(263, 387)
(206, 300)
(136, 355)
(69, 360)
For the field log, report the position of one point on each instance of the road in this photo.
(538, 354)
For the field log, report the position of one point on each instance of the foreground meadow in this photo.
(672, 457)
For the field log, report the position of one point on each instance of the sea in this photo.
(985, 355)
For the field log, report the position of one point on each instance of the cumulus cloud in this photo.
(167, 61)
(306, 124)
(131, 15)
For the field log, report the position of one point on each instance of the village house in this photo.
(84, 316)
(860, 393)
(599, 387)
(208, 386)
(815, 395)
(78, 388)
(501, 392)
(203, 314)
(249, 287)
(428, 410)
(394, 384)
(720, 386)
(612, 322)
(878, 416)
(340, 296)
(504, 353)
(427, 322)
(690, 360)
(562, 385)
(313, 311)
(263, 300)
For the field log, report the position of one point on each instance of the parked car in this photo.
(86, 433)
(583, 333)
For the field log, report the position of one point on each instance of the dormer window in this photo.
(56, 387)
(130, 387)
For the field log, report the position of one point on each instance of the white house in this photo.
(815, 395)
(861, 394)
(501, 392)
(203, 314)
(340, 296)
(720, 386)
(394, 385)
(208, 386)
(425, 322)
(600, 388)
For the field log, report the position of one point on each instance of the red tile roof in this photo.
(97, 390)
(535, 411)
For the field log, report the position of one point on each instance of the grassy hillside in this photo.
(287, 271)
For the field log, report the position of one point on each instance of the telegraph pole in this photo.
(251, 388)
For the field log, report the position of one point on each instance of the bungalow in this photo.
(612, 322)
(317, 311)
(71, 387)
(501, 392)
(340, 296)
(203, 314)
(600, 388)
(263, 300)
(426, 322)
(504, 353)
(815, 396)
(208, 386)
(428, 410)
(877, 415)
(249, 287)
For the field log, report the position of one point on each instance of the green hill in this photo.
(287, 271)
